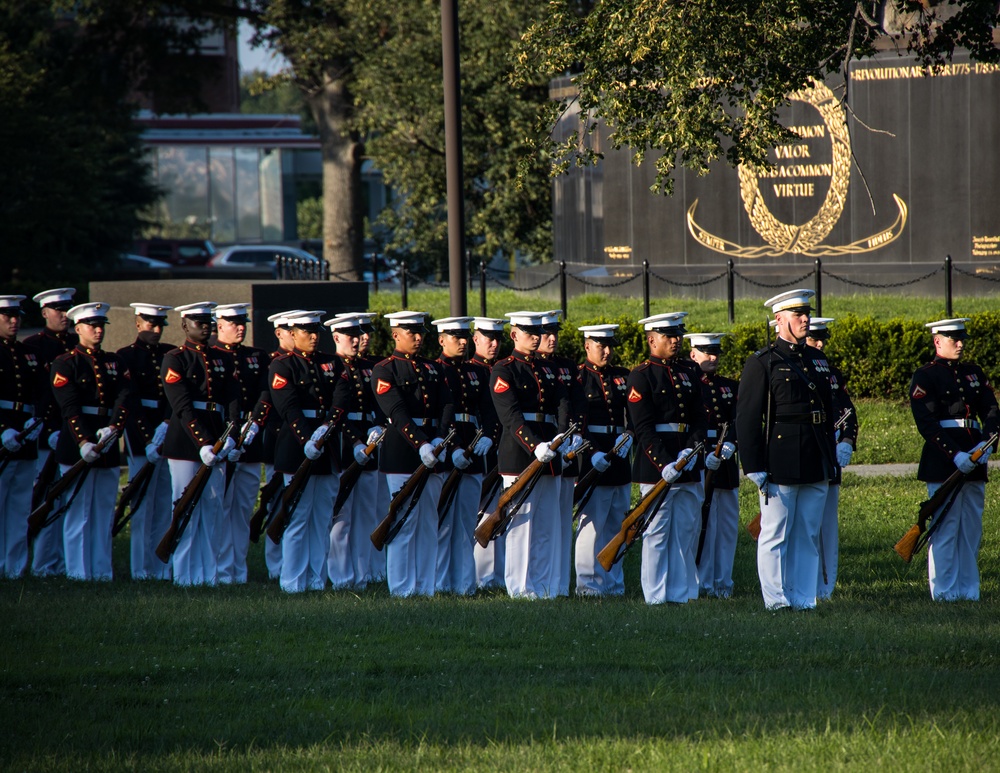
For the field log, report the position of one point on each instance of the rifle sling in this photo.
(69, 500)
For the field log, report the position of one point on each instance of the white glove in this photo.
(359, 454)
(758, 479)
(374, 434)
(427, 455)
(312, 451)
(986, 454)
(669, 473)
(844, 453)
(228, 446)
(160, 433)
(109, 434)
(623, 451)
(694, 459)
(543, 453)
(318, 433)
(964, 462)
(575, 441)
(249, 432)
(152, 453)
(728, 449)
(207, 457)
(10, 441)
(482, 447)
(599, 461)
(54, 440)
(89, 453)
(713, 462)
(235, 454)
(33, 435)
(459, 459)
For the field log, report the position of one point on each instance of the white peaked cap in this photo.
(11, 301)
(233, 310)
(659, 322)
(346, 322)
(58, 295)
(698, 340)
(948, 326)
(87, 311)
(598, 332)
(447, 324)
(525, 318)
(793, 299)
(489, 324)
(199, 309)
(407, 318)
(819, 323)
(281, 318)
(150, 309)
(298, 318)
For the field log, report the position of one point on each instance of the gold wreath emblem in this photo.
(783, 238)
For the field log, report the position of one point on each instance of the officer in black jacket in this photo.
(21, 387)
(665, 406)
(243, 462)
(718, 395)
(846, 439)
(349, 561)
(412, 392)
(54, 339)
(955, 410)
(600, 516)
(533, 406)
(310, 391)
(456, 564)
(200, 385)
(145, 432)
(784, 422)
(94, 392)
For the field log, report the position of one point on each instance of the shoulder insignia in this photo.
(918, 392)
(279, 381)
(634, 395)
(60, 380)
(500, 386)
(382, 386)
(172, 376)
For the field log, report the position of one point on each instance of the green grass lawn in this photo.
(148, 677)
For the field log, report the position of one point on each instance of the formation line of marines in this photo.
(302, 417)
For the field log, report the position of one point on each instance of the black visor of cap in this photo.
(154, 320)
(367, 327)
(241, 320)
(93, 321)
(457, 333)
(496, 335)
(418, 328)
(955, 335)
(12, 311)
(309, 327)
(532, 330)
(59, 305)
(710, 349)
(605, 340)
(673, 330)
(201, 319)
(353, 332)
(818, 335)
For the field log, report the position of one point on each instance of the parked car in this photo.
(130, 262)
(176, 252)
(256, 256)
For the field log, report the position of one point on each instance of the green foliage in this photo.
(309, 213)
(265, 94)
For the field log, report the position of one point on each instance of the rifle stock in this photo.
(6, 455)
(450, 487)
(915, 538)
(293, 492)
(44, 480)
(636, 521)
(186, 503)
(350, 476)
(259, 519)
(40, 517)
(131, 497)
(706, 505)
(410, 491)
(494, 524)
(585, 486)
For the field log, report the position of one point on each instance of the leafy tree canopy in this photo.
(696, 81)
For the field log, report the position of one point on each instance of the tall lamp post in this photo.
(453, 156)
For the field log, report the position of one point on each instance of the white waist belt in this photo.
(359, 416)
(539, 417)
(149, 403)
(467, 417)
(605, 429)
(964, 423)
(93, 410)
(309, 413)
(23, 407)
(711, 433)
(201, 405)
(672, 427)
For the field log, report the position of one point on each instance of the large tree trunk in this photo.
(343, 215)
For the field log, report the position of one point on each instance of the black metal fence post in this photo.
(562, 287)
(819, 287)
(375, 258)
(482, 288)
(468, 263)
(403, 284)
(730, 299)
(645, 288)
(947, 287)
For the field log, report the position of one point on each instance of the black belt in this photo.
(812, 417)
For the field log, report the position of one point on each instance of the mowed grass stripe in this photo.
(147, 676)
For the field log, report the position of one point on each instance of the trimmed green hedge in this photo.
(877, 358)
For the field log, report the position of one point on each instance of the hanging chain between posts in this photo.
(687, 284)
(879, 286)
(770, 285)
(957, 270)
(503, 284)
(417, 280)
(589, 283)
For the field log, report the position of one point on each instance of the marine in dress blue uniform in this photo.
(718, 395)
(54, 339)
(413, 393)
(784, 422)
(846, 439)
(200, 385)
(94, 392)
(665, 407)
(21, 387)
(955, 408)
(145, 431)
(604, 387)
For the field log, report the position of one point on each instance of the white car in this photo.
(256, 256)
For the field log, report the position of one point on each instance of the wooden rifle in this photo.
(42, 515)
(5, 455)
(349, 477)
(231, 466)
(706, 505)
(187, 502)
(450, 487)
(753, 527)
(293, 492)
(131, 496)
(490, 487)
(638, 520)
(390, 525)
(919, 533)
(496, 523)
(585, 485)
(262, 515)
(43, 482)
